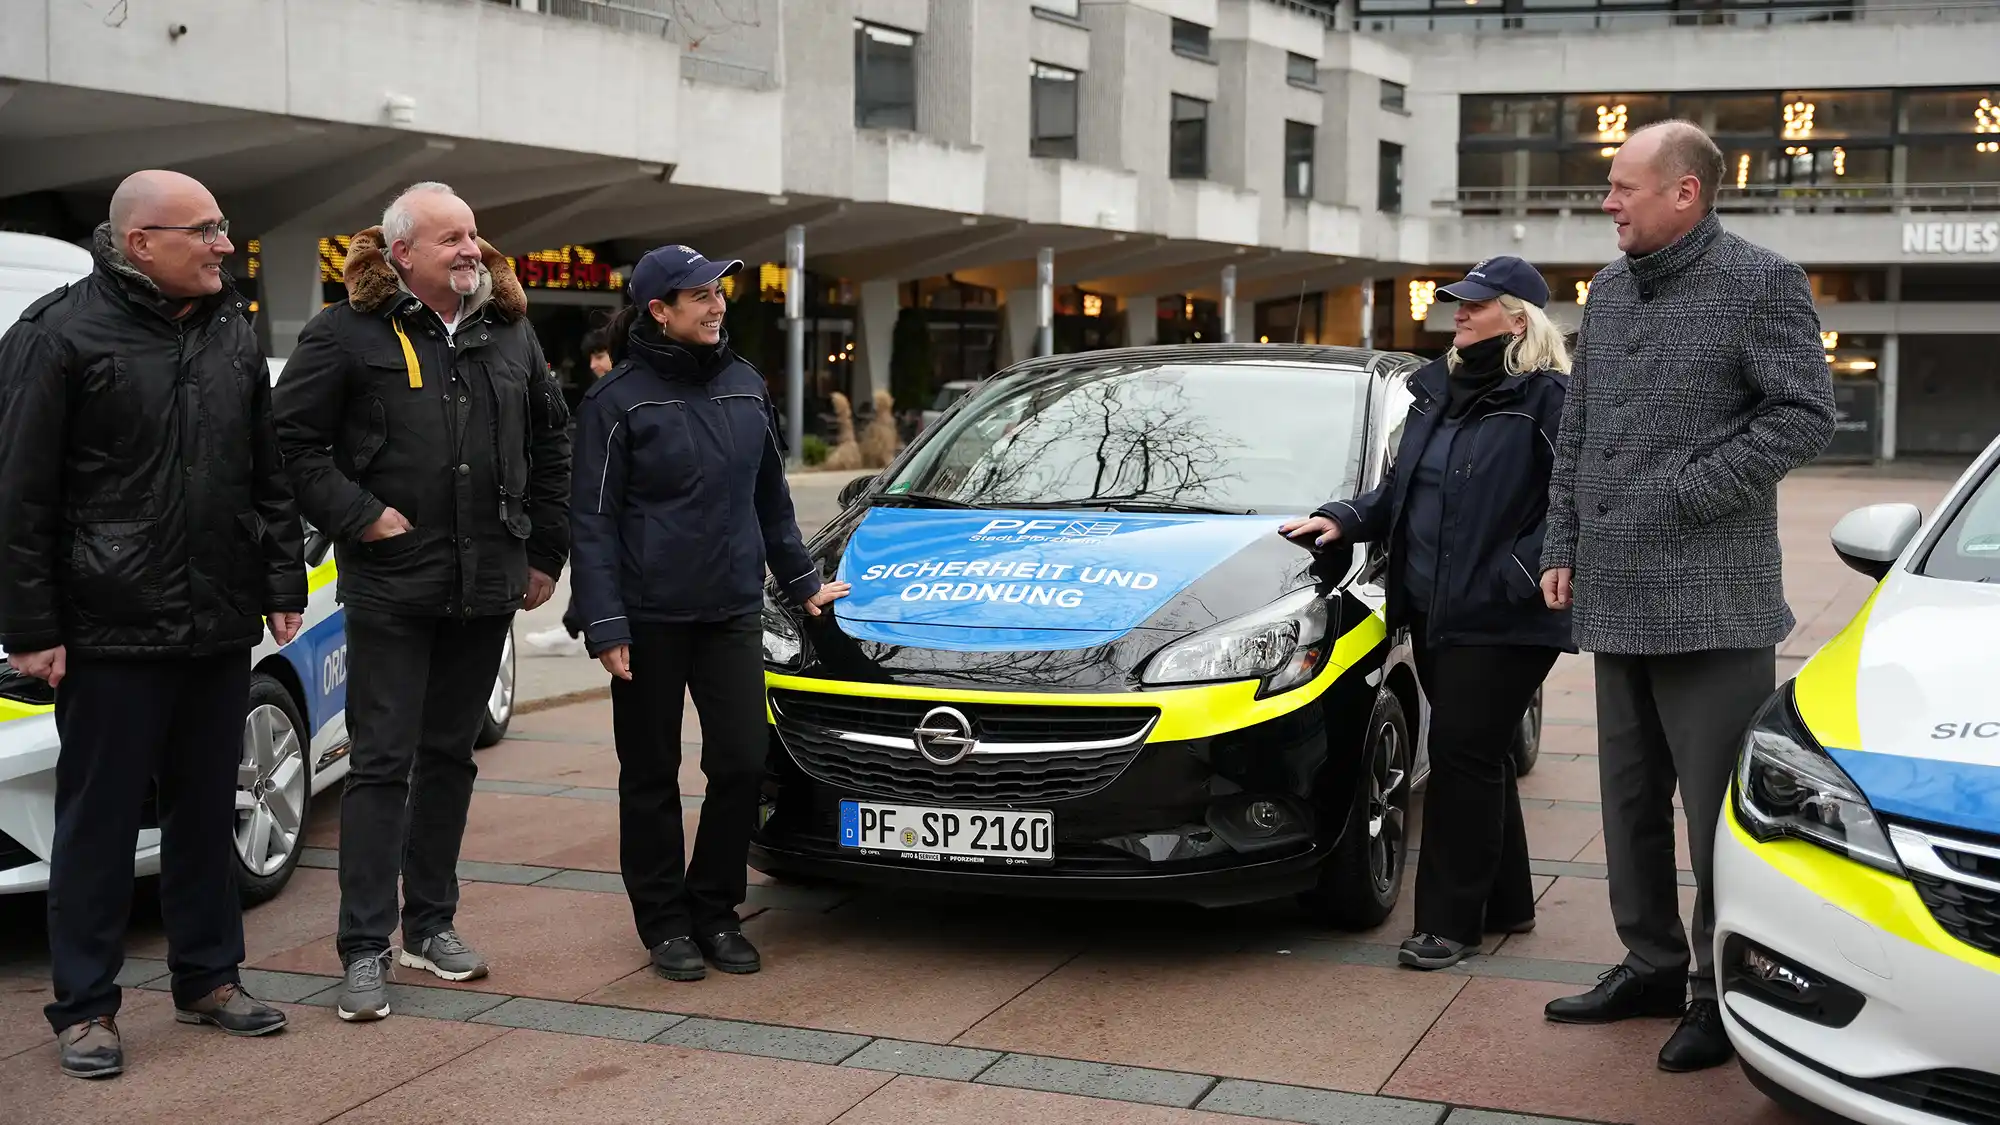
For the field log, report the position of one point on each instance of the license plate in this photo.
(948, 835)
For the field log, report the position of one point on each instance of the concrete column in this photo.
(1045, 301)
(1368, 312)
(1142, 321)
(1892, 355)
(1232, 329)
(876, 326)
(795, 340)
(288, 275)
(1022, 324)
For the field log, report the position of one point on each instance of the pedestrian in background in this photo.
(148, 535)
(427, 438)
(1463, 511)
(680, 498)
(1700, 383)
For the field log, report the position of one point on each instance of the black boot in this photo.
(679, 959)
(1700, 1042)
(731, 952)
(1622, 994)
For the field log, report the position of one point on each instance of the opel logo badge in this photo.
(944, 737)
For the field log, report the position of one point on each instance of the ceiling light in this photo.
(1582, 292)
(1799, 120)
(1423, 294)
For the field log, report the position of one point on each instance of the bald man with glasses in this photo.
(147, 535)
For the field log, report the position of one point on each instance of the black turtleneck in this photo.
(1481, 367)
(655, 349)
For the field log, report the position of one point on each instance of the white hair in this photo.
(398, 224)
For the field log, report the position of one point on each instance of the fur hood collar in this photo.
(373, 285)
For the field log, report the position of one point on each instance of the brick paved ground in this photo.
(877, 1009)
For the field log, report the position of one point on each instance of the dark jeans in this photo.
(1472, 871)
(416, 693)
(1664, 721)
(721, 664)
(125, 723)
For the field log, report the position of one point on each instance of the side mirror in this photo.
(854, 488)
(1871, 539)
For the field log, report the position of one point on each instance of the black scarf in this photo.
(1481, 367)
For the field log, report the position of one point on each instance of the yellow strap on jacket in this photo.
(409, 356)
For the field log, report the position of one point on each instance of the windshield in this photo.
(1239, 437)
(1969, 549)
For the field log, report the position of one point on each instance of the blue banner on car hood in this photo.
(1000, 580)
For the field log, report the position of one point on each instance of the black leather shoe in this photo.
(1700, 1042)
(91, 1049)
(1622, 994)
(679, 959)
(731, 952)
(234, 1011)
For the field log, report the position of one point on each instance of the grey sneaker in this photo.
(365, 995)
(446, 955)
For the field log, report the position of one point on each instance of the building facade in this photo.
(1176, 170)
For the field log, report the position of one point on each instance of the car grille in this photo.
(14, 854)
(1958, 878)
(1955, 1095)
(808, 724)
(1970, 914)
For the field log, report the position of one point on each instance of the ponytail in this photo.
(618, 333)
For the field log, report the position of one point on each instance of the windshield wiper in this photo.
(1135, 505)
(923, 500)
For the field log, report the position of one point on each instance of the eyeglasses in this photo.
(209, 231)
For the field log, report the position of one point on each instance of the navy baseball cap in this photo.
(1494, 276)
(669, 268)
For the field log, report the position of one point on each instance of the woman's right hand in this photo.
(1324, 530)
(617, 660)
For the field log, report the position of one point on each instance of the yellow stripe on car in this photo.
(1825, 687)
(320, 576)
(1887, 902)
(1192, 712)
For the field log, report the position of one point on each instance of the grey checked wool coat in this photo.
(1699, 382)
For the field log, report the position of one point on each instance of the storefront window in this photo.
(1292, 320)
(1951, 111)
(1842, 286)
(1852, 355)
(1508, 168)
(1730, 115)
(1808, 115)
(1952, 162)
(1496, 117)
(1607, 119)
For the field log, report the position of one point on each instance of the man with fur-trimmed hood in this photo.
(425, 435)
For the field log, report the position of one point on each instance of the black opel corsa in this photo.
(1080, 660)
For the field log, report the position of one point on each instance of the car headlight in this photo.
(782, 646)
(1284, 644)
(1786, 785)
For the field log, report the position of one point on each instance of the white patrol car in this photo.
(1857, 864)
(294, 735)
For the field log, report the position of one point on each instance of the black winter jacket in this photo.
(1488, 586)
(680, 495)
(472, 447)
(143, 509)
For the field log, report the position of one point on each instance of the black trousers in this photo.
(1664, 721)
(1472, 870)
(125, 724)
(416, 693)
(720, 664)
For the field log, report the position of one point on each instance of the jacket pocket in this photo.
(1518, 580)
(111, 573)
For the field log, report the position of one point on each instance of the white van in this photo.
(32, 266)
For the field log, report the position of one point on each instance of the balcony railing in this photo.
(1761, 198)
(648, 17)
(1586, 16)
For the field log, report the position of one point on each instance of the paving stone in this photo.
(140, 971)
(282, 988)
(1534, 969)
(817, 900)
(590, 793)
(517, 874)
(325, 858)
(1490, 1117)
(796, 1043)
(418, 1000)
(607, 882)
(1317, 1107)
(1098, 1080)
(526, 788)
(927, 1060)
(579, 1019)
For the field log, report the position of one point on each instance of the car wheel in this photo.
(500, 704)
(1527, 748)
(273, 788)
(1363, 878)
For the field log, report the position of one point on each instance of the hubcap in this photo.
(500, 704)
(1386, 777)
(270, 790)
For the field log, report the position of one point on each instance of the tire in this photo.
(500, 704)
(271, 807)
(1362, 880)
(1527, 748)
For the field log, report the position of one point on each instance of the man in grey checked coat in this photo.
(1700, 381)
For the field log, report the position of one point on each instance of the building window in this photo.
(1389, 179)
(1394, 95)
(1298, 160)
(1301, 70)
(1071, 8)
(1053, 113)
(1188, 151)
(1190, 39)
(885, 77)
